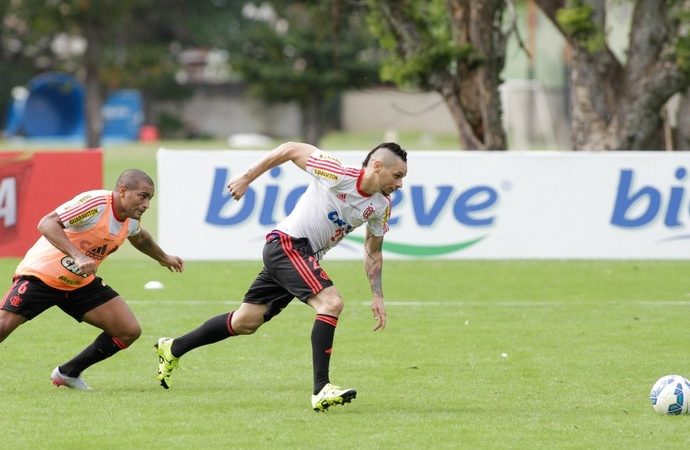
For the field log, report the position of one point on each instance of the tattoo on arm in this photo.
(373, 265)
(145, 244)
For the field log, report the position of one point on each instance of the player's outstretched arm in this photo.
(373, 265)
(145, 244)
(296, 152)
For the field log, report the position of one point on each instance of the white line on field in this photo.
(509, 304)
(413, 303)
(666, 303)
(438, 303)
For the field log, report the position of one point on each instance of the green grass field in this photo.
(489, 354)
(476, 354)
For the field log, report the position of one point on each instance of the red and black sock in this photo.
(213, 330)
(321, 346)
(103, 347)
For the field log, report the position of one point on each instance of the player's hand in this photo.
(238, 186)
(173, 263)
(379, 311)
(87, 266)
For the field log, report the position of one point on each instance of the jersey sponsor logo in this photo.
(335, 218)
(98, 252)
(343, 227)
(68, 281)
(368, 212)
(72, 211)
(325, 174)
(326, 156)
(84, 215)
(84, 198)
(69, 264)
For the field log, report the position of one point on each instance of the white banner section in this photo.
(453, 205)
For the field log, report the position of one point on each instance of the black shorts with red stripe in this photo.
(290, 271)
(29, 296)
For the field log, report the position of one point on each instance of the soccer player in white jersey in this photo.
(60, 270)
(338, 200)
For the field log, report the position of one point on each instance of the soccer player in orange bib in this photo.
(339, 199)
(60, 270)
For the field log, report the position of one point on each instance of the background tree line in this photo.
(310, 52)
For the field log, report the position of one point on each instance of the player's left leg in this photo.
(246, 320)
(9, 322)
(120, 329)
(328, 305)
(117, 320)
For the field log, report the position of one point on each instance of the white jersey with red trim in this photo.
(91, 225)
(333, 205)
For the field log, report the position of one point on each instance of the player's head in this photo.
(388, 163)
(132, 178)
(392, 147)
(134, 190)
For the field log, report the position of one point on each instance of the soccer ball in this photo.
(670, 395)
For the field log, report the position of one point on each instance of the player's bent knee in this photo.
(332, 308)
(129, 334)
(247, 319)
(246, 326)
(334, 304)
(337, 307)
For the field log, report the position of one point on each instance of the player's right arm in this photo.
(53, 229)
(296, 152)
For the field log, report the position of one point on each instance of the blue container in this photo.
(54, 107)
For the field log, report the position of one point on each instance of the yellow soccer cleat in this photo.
(166, 361)
(331, 395)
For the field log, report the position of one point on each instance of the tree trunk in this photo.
(478, 24)
(595, 101)
(93, 101)
(313, 119)
(469, 82)
(616, 106)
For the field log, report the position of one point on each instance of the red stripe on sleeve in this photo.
(83, 208)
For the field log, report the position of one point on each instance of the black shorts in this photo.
(29, 297)
(290, 270)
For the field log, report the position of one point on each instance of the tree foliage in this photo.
(303, 51)
(308, 52)
(109, 44)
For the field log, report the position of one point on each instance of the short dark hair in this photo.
(132, 178)
(392, 146)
